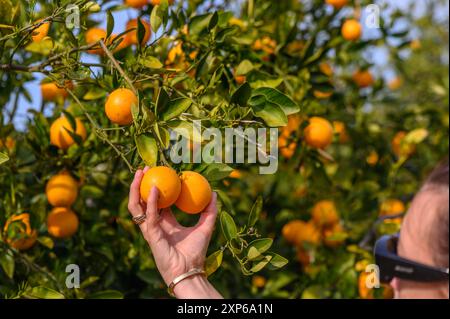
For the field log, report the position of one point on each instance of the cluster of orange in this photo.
(317, 134)
(323, 227)
(190, 191)
(62, 192)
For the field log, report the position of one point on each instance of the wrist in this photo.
(195, 287)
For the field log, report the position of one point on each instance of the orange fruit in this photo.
(8, 142)
(351, 30)
(399, 147)
(94, 35)
(392, 207)
(372, 158)
(137, 4)
(337, 4)
(122, 42)
(318, 133)
(237, 174)
(415, 44)
(395, 83)
(40, 32)
(304, 256)
(240, 79)
(24, 236)
(258, 281)
(237, 22)
(297, 232)
(158, 2)
(322, 95)
(363, 78)
(167, 182)
(51, 91)
(341, 131)
(195, 193)
(265, 44)
(59, 135)
(324, 213)
(331, 234)
(132, 36)
(326, 69)
(368, 293)
(118, 106)
(61, 190)
(287, 149)
(62, 222)
(295, 47)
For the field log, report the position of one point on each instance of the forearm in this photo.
(196, 287)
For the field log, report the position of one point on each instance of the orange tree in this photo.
(299, 66)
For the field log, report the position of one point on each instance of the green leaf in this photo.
(416, 136)
(109, 23)
(255, 212)
(217, 171)
(185, 129)
(156, 18)
(140, 31)
(7, 263)
(213, 262)
(41, 292)
(260, 264)
(106, 294)
(277, 261)
(257, 247)
(271, 113)
(46, 241)
(244, 67)
(229, 228)
(147, 149)
(43, 47)
(175, 108)
(91, 191)
(199, 23)
(162, 99)
(151, 63)
(276, 97)
(3, 158)
(94, 93)
(242, 94)
(213, 21)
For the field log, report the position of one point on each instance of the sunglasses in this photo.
(391, 265)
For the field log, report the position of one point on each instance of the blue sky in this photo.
(378, 56)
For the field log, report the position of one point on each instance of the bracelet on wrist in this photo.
(177, 280)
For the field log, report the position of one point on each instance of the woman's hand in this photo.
(176, 249)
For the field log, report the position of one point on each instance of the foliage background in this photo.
(113, 257)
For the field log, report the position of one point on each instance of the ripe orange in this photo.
(258, 281)
(51, 91)
(8, 142)
(240, 79)
(341, 131)
(132, 36)
(94, 35)
(326, 69)
(351, 30)
(237, 174)
(62, 222)
(137, 4)
(237, 22)
(297, 232)
(158, 2)
(265, 44)
(322, 95)
(324, 213)
(287, 149)
(24, 236)
(195, 193)
(415, 44)
(331, 236)
(368, 293)
(61, 190)
(167, 182)
(399, 147)
(395, 83)
(304, 256)
(392, 207)
(363, 78)
(59, 135)
(372, 158)
(122, 42)
(40, 32)
(337, 4)
(118, 106)
(318, 133)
